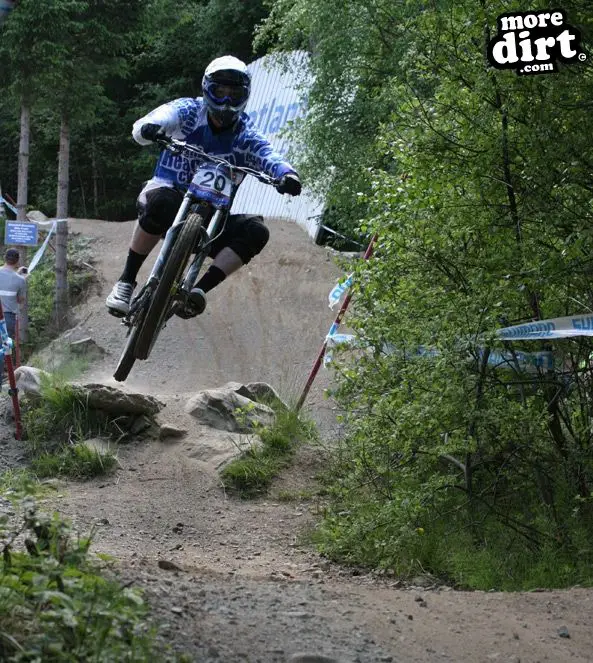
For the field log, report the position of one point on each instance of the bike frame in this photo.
(215, 218)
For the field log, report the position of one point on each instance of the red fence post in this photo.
(335, 325)
(13, 391)
(17, 342)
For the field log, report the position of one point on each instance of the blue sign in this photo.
(21, 233)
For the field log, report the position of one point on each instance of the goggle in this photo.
(228, 92)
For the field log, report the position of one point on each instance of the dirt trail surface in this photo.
(238, 583)
(266, 322)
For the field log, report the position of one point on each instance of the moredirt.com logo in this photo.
(532, 42)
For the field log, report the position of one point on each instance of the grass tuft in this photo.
(56, 429)
(253, 472)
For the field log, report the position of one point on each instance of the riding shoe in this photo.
(196, 303)
(118, 300)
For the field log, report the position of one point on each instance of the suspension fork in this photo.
(211, 231)
(170, 238)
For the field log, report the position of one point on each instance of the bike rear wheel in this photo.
(172, 271)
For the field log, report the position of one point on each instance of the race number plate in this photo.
(213, 183)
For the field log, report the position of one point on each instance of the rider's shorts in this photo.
(245, 234)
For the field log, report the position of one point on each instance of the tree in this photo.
(479, 190)
(87, 44)
(22, 81)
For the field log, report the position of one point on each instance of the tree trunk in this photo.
(23, 167)
(95, 181)
(22, 198)
(62, 229)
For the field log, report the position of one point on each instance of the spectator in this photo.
(12, 291)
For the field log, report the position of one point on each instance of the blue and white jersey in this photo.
(187, 119)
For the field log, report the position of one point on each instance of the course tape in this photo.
(6, 343)
(338, 290)
(10, 207)
(41, 250)
(567, 327)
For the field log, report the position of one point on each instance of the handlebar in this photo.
(179, 146)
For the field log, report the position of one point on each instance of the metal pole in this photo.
(367, 254)
(13, 391)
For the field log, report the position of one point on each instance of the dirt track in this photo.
(266, 322)
(248, 590)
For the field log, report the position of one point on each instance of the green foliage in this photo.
(18, 483)
(75, 461)
(253, 472)
(41, 289)
(59, 360)
(355, 47)
(476, 181)
(110, 63)
(57, 426)
(55, 605)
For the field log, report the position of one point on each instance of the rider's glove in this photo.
(152, 131)
(290, 184)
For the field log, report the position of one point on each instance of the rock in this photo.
(263, 392)
(170, 431)
(225, 409)
(563, 632)
(312, 658)
(422, 581)
(140, 424)
(167, 565)
(86, 346)
(28, 379)
(115, 401)
(260, 392)
(36, 215)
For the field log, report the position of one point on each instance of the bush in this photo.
(55, 604)
(41, 289)
(478, 473)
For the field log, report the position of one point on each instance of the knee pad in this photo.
(156, 215)
(249, 236)
(258, 234)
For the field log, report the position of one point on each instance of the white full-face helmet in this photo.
(225, 87)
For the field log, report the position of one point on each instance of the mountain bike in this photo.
(200, 220)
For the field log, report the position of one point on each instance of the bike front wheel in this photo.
(172, 272)
(127, 359)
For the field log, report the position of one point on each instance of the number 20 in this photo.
(218, 181)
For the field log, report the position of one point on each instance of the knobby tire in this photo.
(173, 269)
(128, 357)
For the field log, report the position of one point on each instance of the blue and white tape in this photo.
(567, 327)
(338, 290)
(333, 339)
(5, 202)
(41, 250)
(6, 344)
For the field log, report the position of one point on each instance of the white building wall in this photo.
(274, 102)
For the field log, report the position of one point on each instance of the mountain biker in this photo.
(217, 123)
